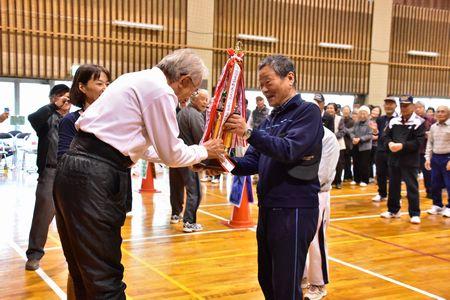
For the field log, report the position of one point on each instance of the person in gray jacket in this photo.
(191, 123)
(362, 145)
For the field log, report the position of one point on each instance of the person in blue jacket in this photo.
(285, 151)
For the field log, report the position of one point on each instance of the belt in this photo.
(88, 143)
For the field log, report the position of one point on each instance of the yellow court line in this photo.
(205, 259)
(165, 276)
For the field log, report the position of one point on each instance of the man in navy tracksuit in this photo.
(285, 152)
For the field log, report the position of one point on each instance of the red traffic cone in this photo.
(241, 217)
(147, 184)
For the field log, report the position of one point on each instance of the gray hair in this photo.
(281, 64)
(197, 93)
(183, 62)
(421, 103)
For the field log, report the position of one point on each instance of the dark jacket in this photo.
(348, 127)
(259, 115)
(411, 134)
(291, 133)
(191, 124)
(328, 121)
(45, 122)
(67, 132)
(382, 124)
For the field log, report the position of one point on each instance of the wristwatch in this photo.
(247, 134)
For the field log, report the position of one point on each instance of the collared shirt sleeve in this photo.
(161, 124)
(430, 142)
(151, 155)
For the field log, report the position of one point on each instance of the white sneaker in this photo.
(304, 283)
(446, 212)
(389, 215)
(188, 227)
(205, 179)
(215, 181)
(415, 220)
(371, 180)
(353, 183)
(378, 198)
(315, 292)
(363, 184)
(435, 210)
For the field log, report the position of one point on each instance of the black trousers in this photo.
(382, 173)
(90, 192)
(181, 179)
(339, 168)
(348, 164)
(361, 164)
(426, 175)
(284, 236)
(409, 176)
(44, 211)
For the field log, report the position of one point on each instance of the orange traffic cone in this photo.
(241, 217)
(147, 184)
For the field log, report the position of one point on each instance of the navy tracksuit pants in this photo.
(283, 236)
(440, 178)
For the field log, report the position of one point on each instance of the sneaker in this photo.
(378, 198)
(353, 183)
(371, 180)
(188, 227)
(339, 186)
(446, 212)
(415, 220)
(205, 179)
(304, 283)
(389, 215)
(363, 184)
(32, 264)
(175, 219)
(435, 210)
(215, 181)
(315, 292)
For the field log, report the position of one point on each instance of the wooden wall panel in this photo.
(424, 29)
(43, 38)
(299, 26)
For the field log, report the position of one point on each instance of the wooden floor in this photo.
(370, 257)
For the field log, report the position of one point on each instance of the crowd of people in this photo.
(299, 151)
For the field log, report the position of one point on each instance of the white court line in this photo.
(386, 278)
(182, 234)
(214, 205)
(165, 236)
(41, 273)
(366, 194)
(212, 215)
(360, 217)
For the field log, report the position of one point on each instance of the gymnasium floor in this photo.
(370, 258)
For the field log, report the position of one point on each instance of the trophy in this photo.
(229, 98)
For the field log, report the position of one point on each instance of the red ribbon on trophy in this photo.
(229, 98)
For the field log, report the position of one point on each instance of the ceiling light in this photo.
(138, 25)
(258, 38)
(422, 53)
(335, 46)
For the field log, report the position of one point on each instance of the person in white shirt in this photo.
(134, 118)
(316, 268)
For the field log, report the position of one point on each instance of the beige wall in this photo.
(381, 36)
(200, 31)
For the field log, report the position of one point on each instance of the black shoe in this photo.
(32, 264)
(339, 186)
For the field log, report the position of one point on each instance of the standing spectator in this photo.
(403, 137)
(45, 122)
(420, 111)
(327, 120)
(362, 144)
(348, 124)
(287, 187)
(339, 131)
(259, 114)
(191, 123)
(381, 157)
(430, 112)
(375, 112)
(316, 269)
(438, 160)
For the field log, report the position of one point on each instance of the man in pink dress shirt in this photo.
(134, 118)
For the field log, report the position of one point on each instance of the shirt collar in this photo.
(160, 76)
(293, 101)
(446, 123)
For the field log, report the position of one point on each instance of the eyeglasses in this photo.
(195, 93)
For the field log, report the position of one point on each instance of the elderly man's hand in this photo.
(215, 148)
(427, 165)
(4, 116)
(448, 165)
(236, 124)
